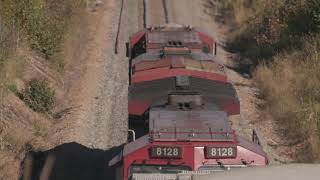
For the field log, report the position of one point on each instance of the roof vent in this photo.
(174, 48)
(182, 81)
(185, 100)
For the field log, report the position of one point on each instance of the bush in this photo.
(291, 86)
(270, 27)
(38, 96)
(7, 42)
(44, 22)
(13, 88)
(282, 39)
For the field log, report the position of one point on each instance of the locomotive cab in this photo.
(187, 136)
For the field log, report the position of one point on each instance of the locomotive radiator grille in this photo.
(170, 125)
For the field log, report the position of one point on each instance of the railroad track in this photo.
(165, 9)
(156, 16)
(116, 44)
(147, 20)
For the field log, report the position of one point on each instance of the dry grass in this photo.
(28, 29)
(270, 27)
(40, 26)
(291, 86)
(281, 40)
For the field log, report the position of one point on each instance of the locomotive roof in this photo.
(156, 92)
(170, 124)
(194, 60)
(174, 33)
(195, 55)
(175, 36)
(158, 89)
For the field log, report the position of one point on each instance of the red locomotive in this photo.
(180, 101)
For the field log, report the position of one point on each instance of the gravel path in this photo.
(154, 13)
(101, 120)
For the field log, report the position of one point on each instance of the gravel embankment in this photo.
(101, 120)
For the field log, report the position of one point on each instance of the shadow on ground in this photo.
(70, 161)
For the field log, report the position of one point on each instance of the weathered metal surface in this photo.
(144, 94)
(208, 66)
(163, 37)
(173, 125)
(166, 72)
(156, 38)
(154, 176)
(186, 62)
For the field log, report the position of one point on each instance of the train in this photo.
(179, 105)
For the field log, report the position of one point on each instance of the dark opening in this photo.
(70, 161)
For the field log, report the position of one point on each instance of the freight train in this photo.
(180, 101)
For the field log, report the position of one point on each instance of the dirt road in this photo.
(100, 121)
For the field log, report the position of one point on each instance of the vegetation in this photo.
(41, 24)
(33, 25)
(38, 96)
(283, 41)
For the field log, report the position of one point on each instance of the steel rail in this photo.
(145, 20)
(165, 8)
(118, 30)
(146, 10)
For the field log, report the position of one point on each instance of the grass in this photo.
(291, 84)
(42, 23)
(282, 39)
(37, 25)
(38, 95)
(39, 130)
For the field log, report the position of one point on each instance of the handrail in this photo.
(166, 132)
(133, 134)
(255, 137)
(193, 136)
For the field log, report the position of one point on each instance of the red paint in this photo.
(193, 152)
(162, 73)
(136, 37)
(231, 107)
(193, 155)
(206, 40)
(138, 107)
(147, 65)
(193, 47)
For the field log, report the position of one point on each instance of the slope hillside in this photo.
(49, 51)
